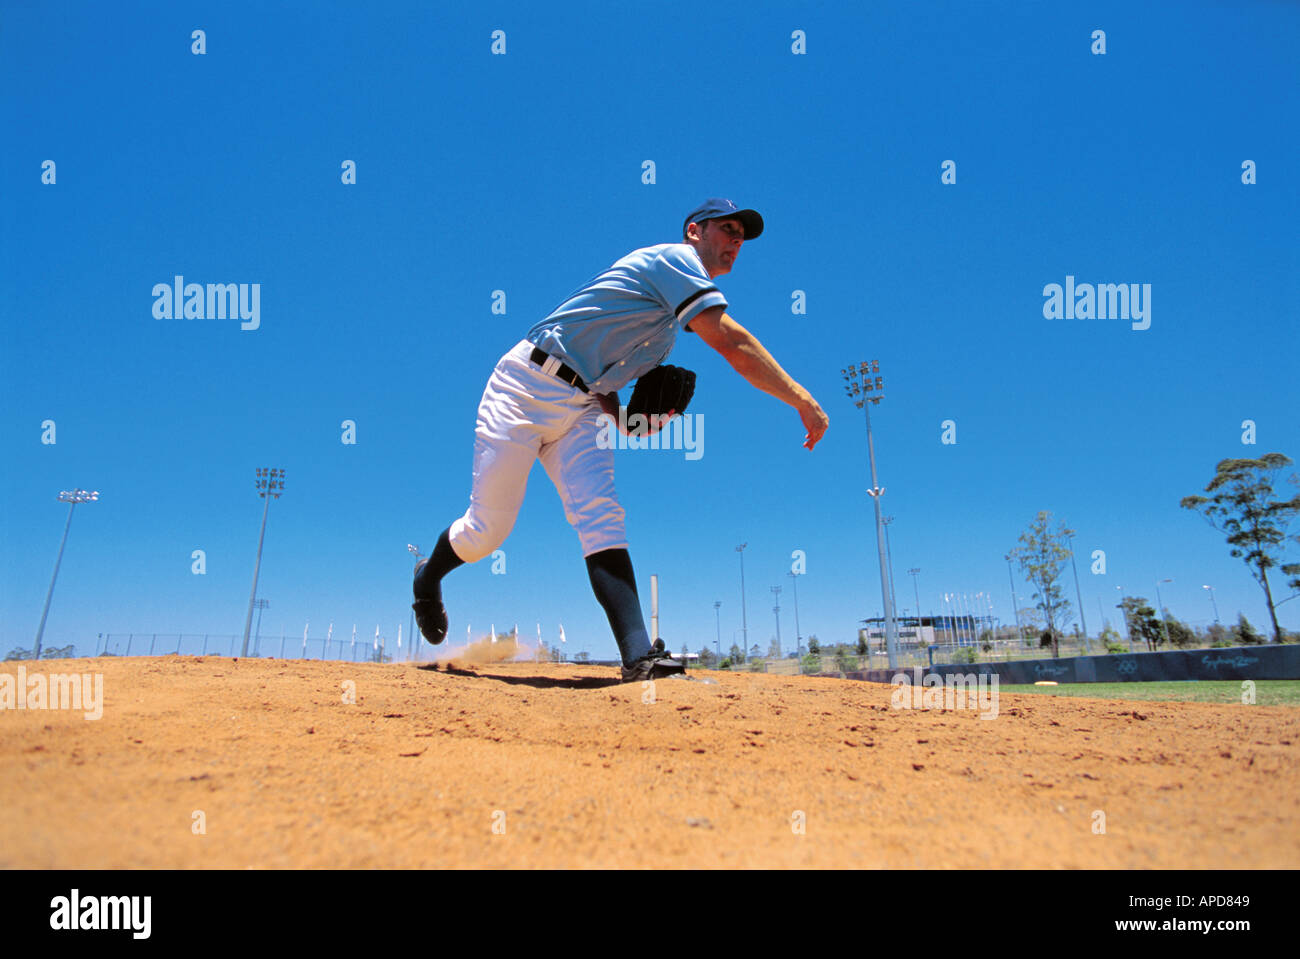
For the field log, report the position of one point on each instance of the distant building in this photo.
(927, 630)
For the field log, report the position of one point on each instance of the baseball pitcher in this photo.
(547, 396)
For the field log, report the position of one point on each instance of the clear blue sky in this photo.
(522, 173)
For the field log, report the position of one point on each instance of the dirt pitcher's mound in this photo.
(216, 762)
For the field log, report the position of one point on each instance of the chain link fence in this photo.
(261, 647)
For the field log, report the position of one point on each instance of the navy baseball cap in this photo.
(716, 208)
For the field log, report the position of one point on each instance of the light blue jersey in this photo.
(624, 321)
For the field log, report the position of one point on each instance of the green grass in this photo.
(1268, 692)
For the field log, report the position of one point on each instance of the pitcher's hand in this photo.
(815, 421)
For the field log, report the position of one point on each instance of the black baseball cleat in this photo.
(430, 614)
(656, 664)
(431, 617)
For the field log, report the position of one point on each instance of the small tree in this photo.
(1181, 635)
(1042, 554)
(1246, 634)
(1142, 622)
(707, 657)
(774, 649)
(1031, 624)
(814, 647)
(1110, 641)
(1218, 635)
(1242, 507)
(862, 644)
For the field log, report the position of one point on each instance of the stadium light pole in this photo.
(1015, 605)
(865, 389)
(1164, 622)
(917, 591)
(776, 599)
(268, 483)
(72, 498)
(798, 635)
(744, 622)
(1213, 603)
(1079, 596)
(261, 604)
(889, 561)
(413, 651)
(717, 643)
(1128, 627)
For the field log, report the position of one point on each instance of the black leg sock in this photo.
(614, 584)
(442, 562)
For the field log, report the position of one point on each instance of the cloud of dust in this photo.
(506, 649)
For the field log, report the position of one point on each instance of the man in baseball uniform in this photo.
(541, 402)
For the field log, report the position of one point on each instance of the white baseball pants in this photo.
(527, 413)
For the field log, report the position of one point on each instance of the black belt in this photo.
(565, 373)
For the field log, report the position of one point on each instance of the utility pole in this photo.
(744, 622)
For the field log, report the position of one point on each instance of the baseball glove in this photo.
(659, 395)
(664, 390)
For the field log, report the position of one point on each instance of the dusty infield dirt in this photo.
(580, 771)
